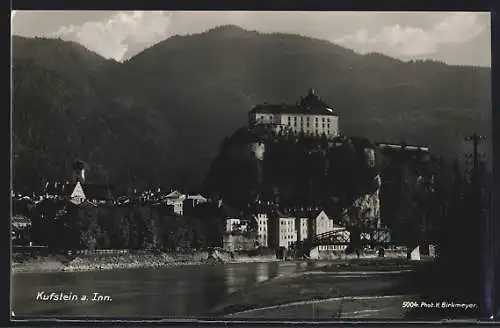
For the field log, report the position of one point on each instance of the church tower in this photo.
(78, 172)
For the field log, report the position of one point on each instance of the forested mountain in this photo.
(160, 117)
(59, 114)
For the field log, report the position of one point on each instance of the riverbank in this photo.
(60, 263)
(361, 288)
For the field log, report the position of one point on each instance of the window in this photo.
(328, 125)
(316, 119)
(323, 125)
(307, 124)
(316, 125)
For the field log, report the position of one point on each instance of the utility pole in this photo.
(475, 139)
(482, 227)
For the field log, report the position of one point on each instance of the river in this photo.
(187, 291)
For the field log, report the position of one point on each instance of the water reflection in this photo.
(230, 279)
(170, 292)
(262, 272)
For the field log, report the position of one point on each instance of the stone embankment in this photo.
(129, 261)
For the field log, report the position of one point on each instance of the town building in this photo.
(291, 225)
(262, 229)
(175, 199)
(197, 200)
(234, 225)
(302, 227)
(20, 229)
(311, 116)
(322, 223)
(78, 192)
(281, 230)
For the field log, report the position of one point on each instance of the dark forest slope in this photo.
(161, 116)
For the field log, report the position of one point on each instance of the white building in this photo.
(311, 115)
(236, 225)
(78, 195)
(282, 231)
(287, 231)
(232, 224)
(197, 200)
(262, 230)
(176, 200)
(322, 223)
(303, 228)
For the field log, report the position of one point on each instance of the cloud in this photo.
(112, 37)
(397, 40)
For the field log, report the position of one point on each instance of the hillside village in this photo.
(269, 226)
(264, 222)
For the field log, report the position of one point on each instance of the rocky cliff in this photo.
(365, 209)
(342, 176)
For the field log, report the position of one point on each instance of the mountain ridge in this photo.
(236, 28)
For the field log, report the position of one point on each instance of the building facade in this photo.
(302, 227)
(322, 223)
(282, 231)
(262, 230)
(287, 232)
(311, 116)
(176, 200)
(232, 224)
(197, 200)
(77, 195)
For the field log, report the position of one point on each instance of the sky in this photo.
(456, 38)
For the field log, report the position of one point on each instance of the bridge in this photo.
(368, 237)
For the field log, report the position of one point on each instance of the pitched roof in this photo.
(311, 104)
(175, 194)
(197, 197)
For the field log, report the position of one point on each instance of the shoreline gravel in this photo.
(127, 261)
